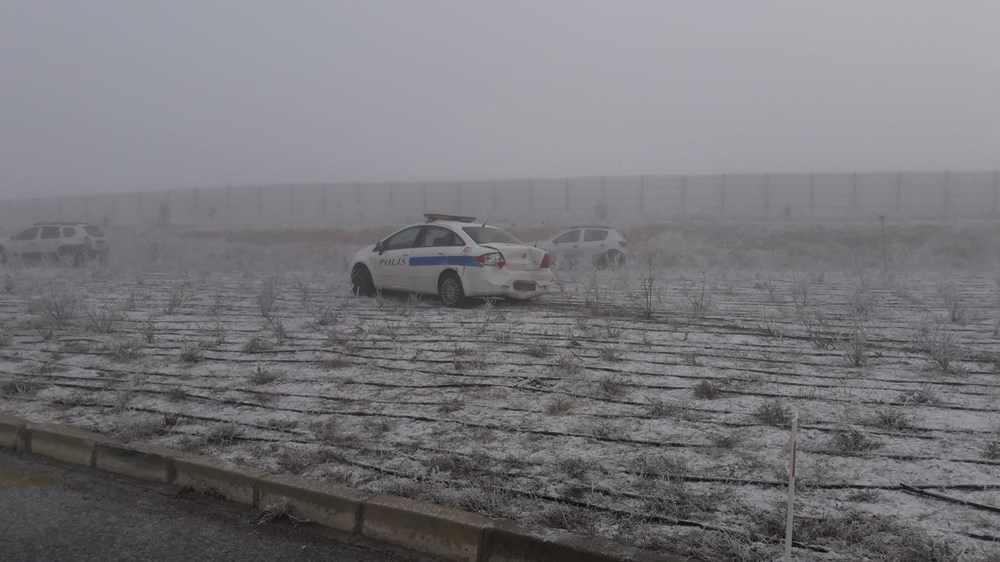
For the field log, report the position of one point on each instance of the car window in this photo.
(402, 239)
(49, 232)
(69, 232)
(489, 235)
(436, 236)
(567, 238)
(594, 235)
(93, 231)
(28, 234)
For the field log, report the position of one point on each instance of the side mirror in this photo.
(378, 247)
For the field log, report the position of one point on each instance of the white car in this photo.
(69, 242)
(601, 246)
(455, 258)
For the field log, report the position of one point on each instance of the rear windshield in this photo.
(489, 235)
(93, 231)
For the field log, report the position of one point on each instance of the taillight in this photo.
(494, 260)
(622, 243)
(546, 261)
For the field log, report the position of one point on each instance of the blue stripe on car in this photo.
(446, 260)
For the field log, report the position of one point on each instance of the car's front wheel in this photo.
(450, 289)
(361, 281)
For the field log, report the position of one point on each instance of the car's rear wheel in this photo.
(361, 281)
(450, 290)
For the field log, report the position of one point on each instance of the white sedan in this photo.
(454, 258)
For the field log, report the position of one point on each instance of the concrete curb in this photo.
(449, 533)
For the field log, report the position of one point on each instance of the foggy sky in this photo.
(102, 96)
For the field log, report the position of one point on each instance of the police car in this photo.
(455, 258)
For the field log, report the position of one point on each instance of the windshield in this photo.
(93, 231)
(489, 235)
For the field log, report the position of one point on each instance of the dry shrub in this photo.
(571, 518)
(257, 344)
(940, 345)
(270, 288)
(992, 450)
(191, 353)
(854, 441)
(774, 413)
(567, 365)
(223, 435)
(57, 304)
(14, 389)
(707, 390)
(572, 467)
(123, 350)
(611, 386)
(333, 363)
(451, 406)
(538, 350)
(864, 535)
(262, 376)
(141, 428)
(610, 354)
(105, 319)
(560, 405)
(895, 420)
(329, 432)
(455, 465)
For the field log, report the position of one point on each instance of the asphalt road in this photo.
(51, 511)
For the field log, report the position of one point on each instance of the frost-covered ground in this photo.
(649, 405)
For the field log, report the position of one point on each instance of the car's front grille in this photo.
(524, 285)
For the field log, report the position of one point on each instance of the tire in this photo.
(361, 281)
(450, 290)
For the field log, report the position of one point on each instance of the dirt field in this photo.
(650, 405)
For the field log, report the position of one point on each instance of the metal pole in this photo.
(899, 192)
(722, 199)
(789, 515)
(996, 190)
(854, 195)
(767, 194)
(684, 195)
(642, 194)
(947, 192)
(812, 194)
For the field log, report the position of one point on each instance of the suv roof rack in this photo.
(431, 217)
(604, 226)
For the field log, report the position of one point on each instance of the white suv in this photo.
(601, 246)
(72, 243)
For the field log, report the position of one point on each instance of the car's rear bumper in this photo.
(492, 282)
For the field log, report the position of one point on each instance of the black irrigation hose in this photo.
(525, 388)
